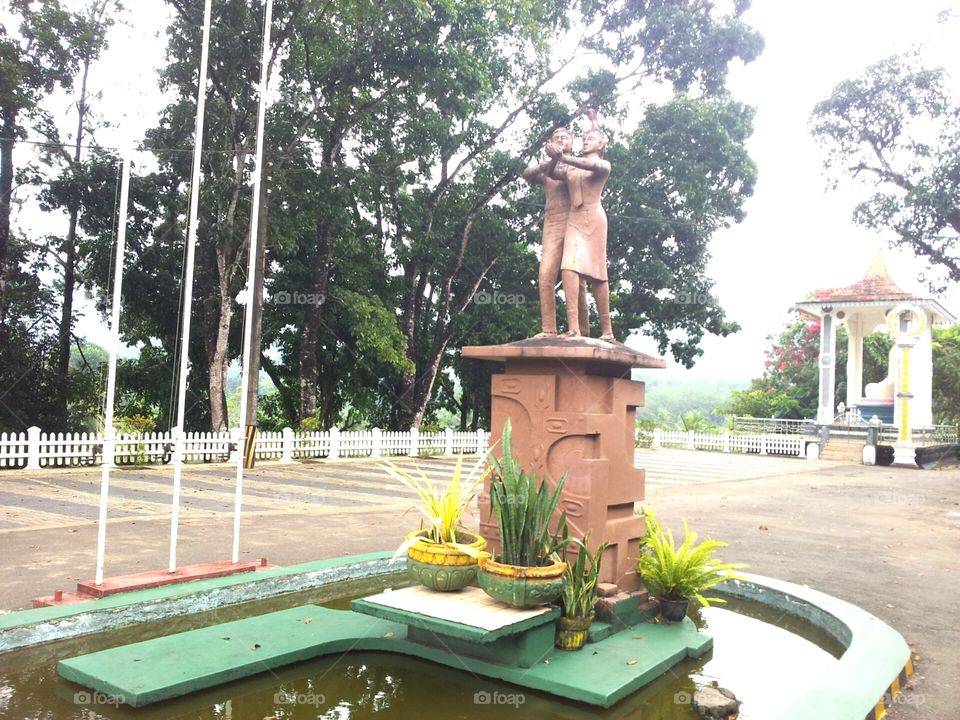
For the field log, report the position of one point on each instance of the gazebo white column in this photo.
(828, 343)
(854, 360)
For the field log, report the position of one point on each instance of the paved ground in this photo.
(886, 539)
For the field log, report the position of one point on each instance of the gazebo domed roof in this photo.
(875, 288)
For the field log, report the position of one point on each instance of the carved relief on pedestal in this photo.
(552, 434)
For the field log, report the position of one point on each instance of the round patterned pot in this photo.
(441, 567)
(521, 587)
(674, 609)
(572, 632)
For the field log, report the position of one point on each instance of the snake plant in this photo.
(524, 509)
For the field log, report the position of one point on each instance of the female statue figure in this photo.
(585, 238)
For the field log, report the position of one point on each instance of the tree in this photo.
(33, 63)
(391, 198)
(88, 42)
(790, 382)
(682, 175)
(946, 374)
(897, 128)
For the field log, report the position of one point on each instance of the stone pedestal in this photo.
(572, 406)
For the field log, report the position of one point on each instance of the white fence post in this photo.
(286, 454)
(376, 449)
(726, 442)
(414, 441)
(763, 444)
(690, 444)
(657, 439)
(33, 448)
(237, 440)
(481, 441)
(448, 442)
(334, 452)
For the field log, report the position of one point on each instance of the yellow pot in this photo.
(519, 586)
(441, 567)
(572, 632)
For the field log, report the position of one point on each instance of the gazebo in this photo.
(872, 303)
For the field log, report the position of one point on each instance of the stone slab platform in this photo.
(469, 614)
(167, 667)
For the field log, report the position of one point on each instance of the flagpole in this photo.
(188, 289)
(251, 271)
(109, 439)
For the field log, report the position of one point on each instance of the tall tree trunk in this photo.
(66, 323)
(6, 195)
(217, 383)
(312, 319)
(251, 365)
(414, 282)
(70, 267)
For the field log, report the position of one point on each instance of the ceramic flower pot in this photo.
(572, 632)
(674, 609)
(441, 567)
(521, 587)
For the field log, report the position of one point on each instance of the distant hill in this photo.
(677, 397)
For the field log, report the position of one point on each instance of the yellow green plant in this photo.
(442, 505)
(579, 596)
(687, 571)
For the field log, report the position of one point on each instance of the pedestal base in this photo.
(572, 407)
(905, 455)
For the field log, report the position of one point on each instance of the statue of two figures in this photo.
(574, 230)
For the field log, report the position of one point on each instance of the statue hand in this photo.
(553, 150)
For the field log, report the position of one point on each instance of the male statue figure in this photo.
(585, 239)
(556, 209)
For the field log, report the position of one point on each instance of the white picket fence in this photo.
(765, 444)
(35, 449)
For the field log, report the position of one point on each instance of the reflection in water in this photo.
(764, 665)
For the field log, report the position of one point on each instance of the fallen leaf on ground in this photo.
(632, 662)
(255, 646)
(388, 634)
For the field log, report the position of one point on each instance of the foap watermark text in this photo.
(498, 698)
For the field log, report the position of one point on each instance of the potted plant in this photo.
(578, 598)
(442, 555)
(674, 574)
(527, 571)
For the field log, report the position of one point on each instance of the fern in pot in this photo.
(675, 575)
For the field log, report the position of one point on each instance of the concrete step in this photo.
(843, 452)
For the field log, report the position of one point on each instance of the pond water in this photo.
(765, 658)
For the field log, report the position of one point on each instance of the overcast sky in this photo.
(797, 236)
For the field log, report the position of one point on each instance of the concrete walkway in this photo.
(887, 539)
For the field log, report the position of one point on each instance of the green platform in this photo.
(167, 667)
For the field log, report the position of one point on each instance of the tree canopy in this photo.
(897, 128)
(391, 204)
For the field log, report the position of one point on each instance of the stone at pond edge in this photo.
(715, 702)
